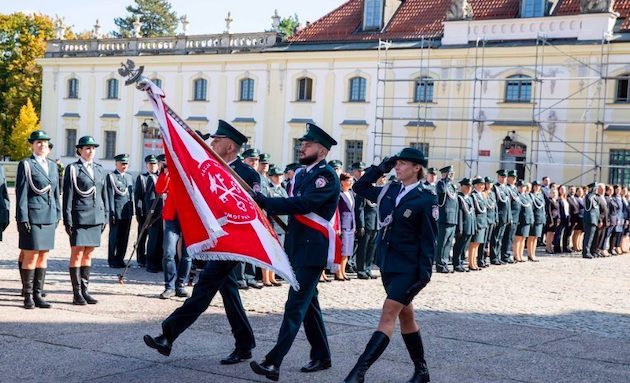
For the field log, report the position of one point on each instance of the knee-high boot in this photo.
(375, 347)
(85, 282)
(21, 277)
(27, 287)
(75, 278)
(413, 341)
(38, 286)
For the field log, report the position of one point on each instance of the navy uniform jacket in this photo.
(466, 220)
(80, 210)
(526, 215)
(359, 212)
(515, 206)
(481, 210)
(406, 241)
(249, 175)
(33, 206)
(538, 206)
(120, 195)
(491, 204)
(591, 209)
(447, 202)
(315, 191)
(150, 196)
(503, 204)
(4, 202)
(138, 194)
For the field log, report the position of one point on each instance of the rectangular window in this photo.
(73, 88)
(619, 171)
(622, 91)
(200, 89)
(296, 150)
(357, 89)
(533, 8)
(305, 89)
(354, 151)
(424, 90)
(112, 89)
(373, 15)
(518, 89)
(71, 141)
(422, 146)
(110, 145)
(247, 89)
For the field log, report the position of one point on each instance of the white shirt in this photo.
(405, 190)
(89, 166)
(43, 162)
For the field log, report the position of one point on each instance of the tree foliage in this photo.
(289, 25)
(22, 40)
(156, 17)
(26, 123)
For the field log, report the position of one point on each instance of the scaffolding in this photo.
(583, 100)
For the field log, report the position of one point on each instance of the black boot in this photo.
(375, 347)
(38, 286)
(414, 345)
(85, 281)
(75, 277)
(21, 277)
(27, 287)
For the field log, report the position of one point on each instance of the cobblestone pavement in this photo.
(562, 319)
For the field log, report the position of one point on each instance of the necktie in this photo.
(400, 195)
(90, 169)
(44, 165)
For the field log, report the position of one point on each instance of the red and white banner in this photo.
(219, 219)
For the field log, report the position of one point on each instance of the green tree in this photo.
(26, 123)
(289, 25)
(156, 17)
(22, 40)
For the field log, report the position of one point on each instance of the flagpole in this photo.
(135, 77)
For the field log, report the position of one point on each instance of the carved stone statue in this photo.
(596, 6)
(459, 10)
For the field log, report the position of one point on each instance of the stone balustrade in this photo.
(172, 45)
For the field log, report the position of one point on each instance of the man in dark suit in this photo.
(591, 221)
(120, 197)
(313, 199)
(139, 191)
(367, 230)
(504, 218)
(507, 253)
(574, 216)
(603, 222)
(154, 203)
(5, 205)
(447, 219)
(216, 275)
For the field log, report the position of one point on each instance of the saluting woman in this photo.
(84, 215)
(407, 212)
(38, 213)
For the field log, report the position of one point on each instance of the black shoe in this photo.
(316, 365)
(266, 369)
(498, 263)
(587, 256)
(372, 276)
(254, 284)
(242, 285)
(182, 292)
(443, 271)
(362, 275)
(459, 269)
(160, 343)
(236, 357)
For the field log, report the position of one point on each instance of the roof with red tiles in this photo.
(415, 19)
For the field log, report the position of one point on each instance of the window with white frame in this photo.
(247, 89)
(200, 89)
(304, 89)
(357, 89)
(112, 89)
(110, 145)
(423, 91)
(73, 88)
(518, 88)
(373, 15)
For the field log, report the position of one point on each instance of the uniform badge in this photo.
(320, 182)
(435, 212)
(256, 188)
(407, 213)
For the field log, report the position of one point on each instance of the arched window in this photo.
(518, 88)
(247, 89)
(304, 89)
(157, 82)
(201, 86)
(357, 89)
(424, 90)
(533, 8)
(112, 89)
(623, 89)
(73, 88)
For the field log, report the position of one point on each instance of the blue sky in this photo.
(205, 17)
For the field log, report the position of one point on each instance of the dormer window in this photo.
(533, 8)
(373, 15)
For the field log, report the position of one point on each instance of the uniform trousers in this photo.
(496, 241)
(118, 240)
(141, 245)
(459, 250)
(446, 232)
(365, 251)
(588, 241)
(216, 276)
(302, 307)
(154, 246)
(508, 240)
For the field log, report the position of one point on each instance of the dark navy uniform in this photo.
(38, 203)
(120, 195)
(447, 220)
(538, 206)
(156, 230)
(510, 231)
(85, 203)
(367, 223)
(314, 191)
(466, 225)
(526, 215)
(5, 205)
(591, 220)
(139, 191)
(492, 217)
(504, 217)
